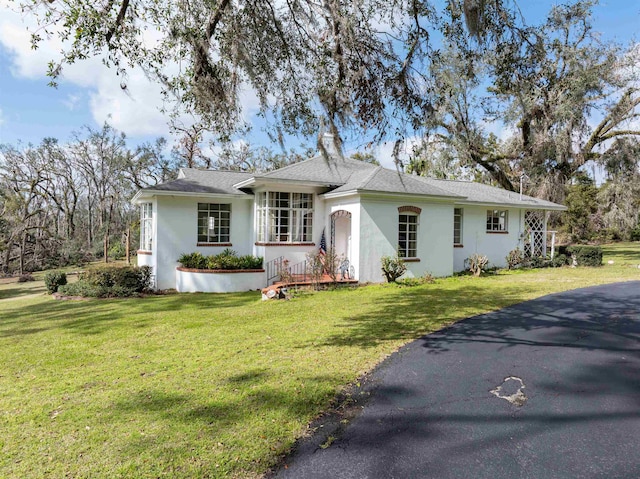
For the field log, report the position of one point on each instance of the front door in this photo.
(341, 235)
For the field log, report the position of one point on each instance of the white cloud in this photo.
(498, 128)
(134, 110)
(72, 101)
(384, 152)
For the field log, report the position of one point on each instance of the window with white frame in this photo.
(283, 217)
(407, 235)
(146, 226)
(457, 226)
(214, 223)
(497, 221)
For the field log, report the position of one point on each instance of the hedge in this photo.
(110, 281)
(586, 255)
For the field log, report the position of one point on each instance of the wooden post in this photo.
(128, 245)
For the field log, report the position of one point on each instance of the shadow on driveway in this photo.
(444, 406)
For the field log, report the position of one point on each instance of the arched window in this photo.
(408, 220)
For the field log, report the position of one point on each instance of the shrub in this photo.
(115, 281)
(117, 251)
(634, 235)
(228, 259)
(559, 261)
(392, 267)
(426, 278)
(84, 289)
(193, 261)
(53, 280)
(515, 258)
(586, 255)
(25, 278)
(536, 262)
(477, 263)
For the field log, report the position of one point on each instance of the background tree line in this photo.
(70, 203)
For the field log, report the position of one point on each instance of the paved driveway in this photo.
(545, 389)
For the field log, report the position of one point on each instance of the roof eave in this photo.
(554, 207)
(147, 194)
(260, 181)
(395, 194)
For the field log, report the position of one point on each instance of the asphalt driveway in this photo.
(549, 388)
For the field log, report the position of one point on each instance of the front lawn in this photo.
(215, 385)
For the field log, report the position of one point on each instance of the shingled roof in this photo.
(191, 180)
(344, 176)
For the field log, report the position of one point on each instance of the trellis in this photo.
(536, 234)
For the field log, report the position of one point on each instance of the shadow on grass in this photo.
(413, 312)
(223, 420)
(18, 290)
(625, 256)
(96, 316)
(408, 313)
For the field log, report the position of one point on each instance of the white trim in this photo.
(371, 194)
(528, 206)
(143, 195)
(262, 181)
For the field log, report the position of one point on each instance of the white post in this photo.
(532, 243)
(544, 234)
(553, 244)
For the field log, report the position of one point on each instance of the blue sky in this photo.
(89, 94)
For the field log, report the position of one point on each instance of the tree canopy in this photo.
(561, 95)
(314, 65)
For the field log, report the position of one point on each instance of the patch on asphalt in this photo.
(511, 390)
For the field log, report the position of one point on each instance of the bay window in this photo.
(283, 217)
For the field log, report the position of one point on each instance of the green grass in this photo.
(214, 385)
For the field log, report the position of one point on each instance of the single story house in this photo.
(362, 210)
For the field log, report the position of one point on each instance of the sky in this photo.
(90, 94)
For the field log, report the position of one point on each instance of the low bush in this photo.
(535, 262)
(117, 251)
(53, 280)
(477, 263)
(193, 261)
(111, 281)
(228, 259)
(25, 278)
(586, 255)
(634, 235)
(515, 258)
(426, 278)
(392, 267)
(84, 289)
(558, 261)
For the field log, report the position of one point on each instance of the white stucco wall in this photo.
(190, 282)
(177, 232)
(379, 237)
(475, 238)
